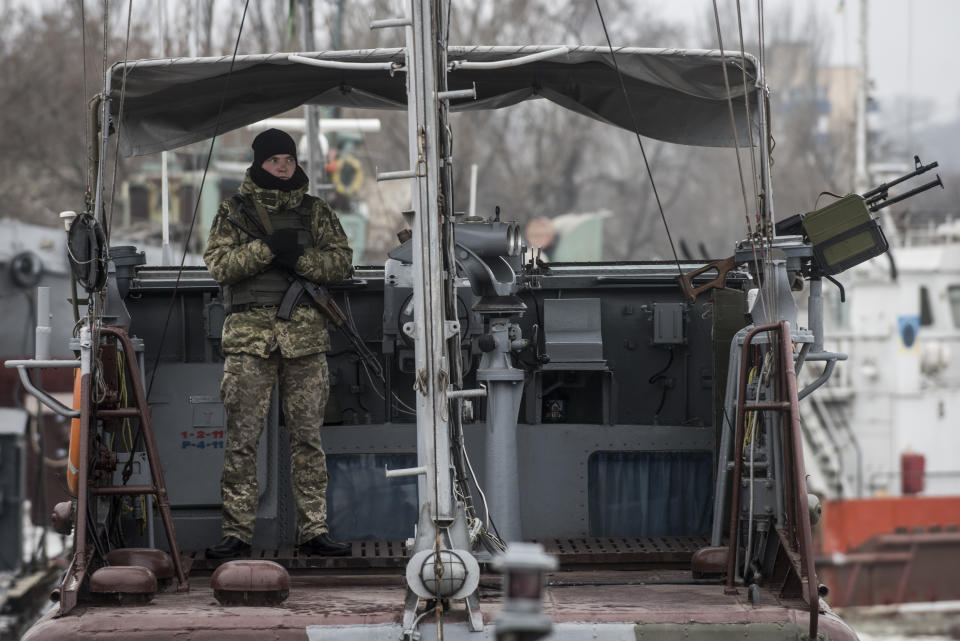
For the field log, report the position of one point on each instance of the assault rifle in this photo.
(318, 294)
(321, 298)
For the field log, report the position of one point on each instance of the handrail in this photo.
(389, 67)
(788, 402)
(801, 518)
(510, 62)
(159, 487)
(75, 576)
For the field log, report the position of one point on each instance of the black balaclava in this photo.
(271, 143)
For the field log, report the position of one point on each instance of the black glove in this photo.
(283, 243)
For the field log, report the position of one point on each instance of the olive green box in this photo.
(843, 234)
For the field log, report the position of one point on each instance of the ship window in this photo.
(926, 309)
(953, 295)
(650, 493)
(363, 504)
(139, 203)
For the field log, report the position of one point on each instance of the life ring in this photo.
(26, 270)
(87, 251)
(73, 461)
(347, 175)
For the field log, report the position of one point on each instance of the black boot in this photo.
(323, 545)
(229, 547)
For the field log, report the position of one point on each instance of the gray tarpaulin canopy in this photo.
(676, 95)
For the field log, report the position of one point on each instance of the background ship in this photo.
(881, 428)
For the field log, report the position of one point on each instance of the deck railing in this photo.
(795, 484)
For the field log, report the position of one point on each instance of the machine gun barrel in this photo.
(879, 193)
(874, 206)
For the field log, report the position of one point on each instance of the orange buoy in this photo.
(73, 461)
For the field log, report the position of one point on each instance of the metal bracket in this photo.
(451, 328)
(388, 23)
(407, 471)
(458, 93)
(512, 62)
(389, 67)
(396, 175)
(410, 329)
(467, 393)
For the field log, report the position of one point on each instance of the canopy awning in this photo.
(676, 95)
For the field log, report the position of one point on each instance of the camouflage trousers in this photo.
(247, 384)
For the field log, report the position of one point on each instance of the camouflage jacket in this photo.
(233, 255)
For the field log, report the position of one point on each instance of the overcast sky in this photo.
(912, 43)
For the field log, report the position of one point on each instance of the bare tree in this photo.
(43, 166)
(534, 159)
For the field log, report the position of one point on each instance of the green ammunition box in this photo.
(843, 234)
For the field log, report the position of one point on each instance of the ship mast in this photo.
(432, 359)
(442, 539)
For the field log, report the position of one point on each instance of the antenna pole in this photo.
(166, 256)
(861, 179)
(312, 112)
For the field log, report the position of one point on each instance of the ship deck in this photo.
(362, 597)
(324, 606)
(625, 552)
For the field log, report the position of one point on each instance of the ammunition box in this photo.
(843, 234)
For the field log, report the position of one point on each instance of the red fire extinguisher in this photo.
(911, 472)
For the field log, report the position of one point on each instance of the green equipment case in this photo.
(843, 234)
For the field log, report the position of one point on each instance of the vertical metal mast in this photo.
(861, 178)
(429, 331)
(312, 112)
(441, 548)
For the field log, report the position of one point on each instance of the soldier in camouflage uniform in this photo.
(270, 230)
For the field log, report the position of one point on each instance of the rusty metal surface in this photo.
(159, 489)
(250, 575)
(795, 488)
(709, 560)
(895, 568)
(132, 579)
(343, 600)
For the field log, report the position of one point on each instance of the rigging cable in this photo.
(760, 200)
(442, 375)
(636, 130)
(83, 82)
(733, 119)
(128, 468)
(106, 36)
(746, 105)
(196, 207)
(455, 417)
(116, 151)
(766, 223)
(760, 48)
(736, 140)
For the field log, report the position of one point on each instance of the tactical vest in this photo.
(266, 289)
